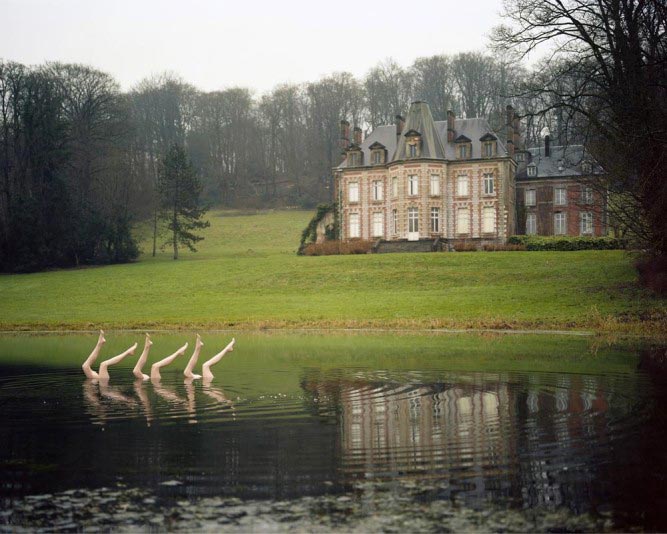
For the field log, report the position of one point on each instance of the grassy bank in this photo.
(247, 275)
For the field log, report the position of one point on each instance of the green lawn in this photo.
(246, 275)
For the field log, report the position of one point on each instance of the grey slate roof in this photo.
(563, 162)
(434, 136)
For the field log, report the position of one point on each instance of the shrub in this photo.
(503, 248)
(328, 248)
(464, 246)
(566, 243)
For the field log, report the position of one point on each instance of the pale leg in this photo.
(93, 356)
(206, 368)
(155, 368)
(104, 372)
(193, 359)
(142, 359)
(143, 397)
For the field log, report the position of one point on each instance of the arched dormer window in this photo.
(489, 145)
(463, 147)
(378, 153)
(413, 144)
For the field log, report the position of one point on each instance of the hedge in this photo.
(562, 243)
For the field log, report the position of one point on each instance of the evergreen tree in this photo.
(179, 189)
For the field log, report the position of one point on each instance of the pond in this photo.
(351, 431)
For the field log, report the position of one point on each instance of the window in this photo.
(586, 167)
(488, 220)
(464, 153)
(586, 222)
(413, 220)
(394, 186)
(435, 185)
(378, 224)
(412, 150)
(462, 185)
(560, 224)
(463, 221)
(378, 190)
(560, 196)
(435, 220)
(586, 195)
(488, 184)
(353, 191)
(532, 170)
(355, 230)
(530, 197)
(519, 156)
(394, 221)
(489, 149)
(531, 224)
(378, 157)
(413, 185)
(353, 159)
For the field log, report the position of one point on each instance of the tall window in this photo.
(394, 186)
(378, 157)
(586, 222)
(413, 185)
(531, 224)
(463, 221)
(586, 195)
(462, 185)
(532, 170)
(435, 220)
(412, 150)
(488, 184)
(394, 221)
(435, 184)
(489, 149)
(560, 196)
(377, 190)
(464, 152)
(488, 220)
(530, 197)
(560, 224)
(353, 192)
(355, 230)
(378, 224)
(353, 159)
(413, 220)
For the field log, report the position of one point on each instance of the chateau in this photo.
(423, 184)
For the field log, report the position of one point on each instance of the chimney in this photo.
(400, 124)
(547, 147)
(517, 134)
(344, 140)
(357, 135)
(450, 126)
(511, 134)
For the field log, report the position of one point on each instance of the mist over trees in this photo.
(80, 159)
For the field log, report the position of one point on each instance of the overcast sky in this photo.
(252, 43)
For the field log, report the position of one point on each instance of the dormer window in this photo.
(586, 167)
(354, 157)
(378, 157)
(413, 141)
(463, 147)
(519, 157)
(532, 170)
(378, 153)
(413, 150)
(489, 145)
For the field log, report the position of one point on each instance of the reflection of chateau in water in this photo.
(487, 435)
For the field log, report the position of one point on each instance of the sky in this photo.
(214, 44)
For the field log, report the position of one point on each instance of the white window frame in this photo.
(530, 197)
(560, 196)
(355, 225)
(488, 220)
(531, 170)
(378, 157)
(489, 184)
(353, 192)
(378, 190)
(434, 185)
(394, 221)
(413, 185)
(462, 222)
(394, 186)
(560, 223)
(586, 195)
(519, 156)
(586, 223)
(489, 149)
(435, 220)
(378, 224)
(531, 224)
(463, 151)
(462, 185)
(413, 220)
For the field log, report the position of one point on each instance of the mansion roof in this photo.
(561, 162)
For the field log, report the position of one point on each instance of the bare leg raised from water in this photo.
(206, 368)
(93, 356)
(142, 359)
(193, 359)
(104, 372)
(155, 368)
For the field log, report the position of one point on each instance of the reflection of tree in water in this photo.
(530, 439)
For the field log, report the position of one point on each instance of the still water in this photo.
(527, 423)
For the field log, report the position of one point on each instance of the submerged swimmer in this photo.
(155, 368)
(103, 372)
(206, 368)
(142, 359)
(193, 360)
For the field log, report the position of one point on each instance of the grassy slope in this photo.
(247, 275)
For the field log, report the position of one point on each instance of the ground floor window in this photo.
(560, 224)
(488, 220)
(378, 224)
(435, 220)
(531, 224)
(413, 220)
(355, 229)
(394, 221)
(586, 223)
(463, 221)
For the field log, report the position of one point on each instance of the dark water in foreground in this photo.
(281, 424)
